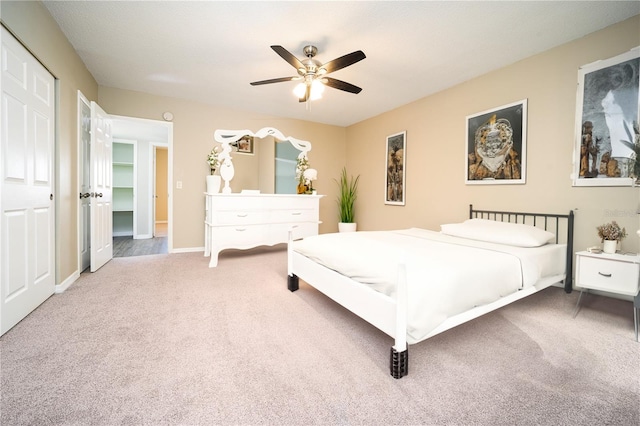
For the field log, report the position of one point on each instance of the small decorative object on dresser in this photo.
(213, 180)
(302, 165)
(611, 234)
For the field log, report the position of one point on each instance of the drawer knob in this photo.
(605, 275)
(242, 215)
(296, 213)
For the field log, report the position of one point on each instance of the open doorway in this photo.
(150, 187)
(138, 238)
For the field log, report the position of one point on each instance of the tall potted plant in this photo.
(348, 187)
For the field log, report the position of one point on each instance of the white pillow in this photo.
(513, 234)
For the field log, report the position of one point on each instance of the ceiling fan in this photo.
(312, 73)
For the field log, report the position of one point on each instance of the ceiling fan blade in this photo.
(341, 85)
(273, 80)
(344, 61)
(287, 56)
(307, 93)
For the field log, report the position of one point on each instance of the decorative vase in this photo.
(302, 188)
(347, 227)
(213, 184)
(609, 246)
(227, 171)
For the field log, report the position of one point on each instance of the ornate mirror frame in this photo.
(227, 137)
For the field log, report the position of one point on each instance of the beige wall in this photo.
(436, 192)
(193, 127)
(435, 127)
(32, 24)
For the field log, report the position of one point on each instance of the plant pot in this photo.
(609, 246)
(213, 184)
(347, 227)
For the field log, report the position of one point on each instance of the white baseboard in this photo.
(60, 288)
(187, 250)
(122, 234)
(142, 236)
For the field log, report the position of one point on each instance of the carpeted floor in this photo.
(163, 339)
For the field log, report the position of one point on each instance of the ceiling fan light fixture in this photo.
(299, 90)
(317, 89)
(314, 72)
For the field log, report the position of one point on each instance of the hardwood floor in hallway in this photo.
(127, 246)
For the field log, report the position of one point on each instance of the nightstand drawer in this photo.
(608, 275)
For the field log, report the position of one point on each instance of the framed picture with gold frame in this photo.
(245, 145)
(395, 181)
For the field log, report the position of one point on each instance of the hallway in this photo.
(127, 246)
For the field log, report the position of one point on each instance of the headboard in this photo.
(559, 224)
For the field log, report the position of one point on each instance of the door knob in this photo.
(98, 194)
(85, 195)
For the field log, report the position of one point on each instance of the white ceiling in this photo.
(209, 51)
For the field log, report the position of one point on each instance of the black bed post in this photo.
(470, 211)
(292, 282)
(568, 281)
(399, 363)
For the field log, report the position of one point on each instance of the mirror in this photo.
(267, 164)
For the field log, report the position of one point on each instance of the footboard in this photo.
(387, 314)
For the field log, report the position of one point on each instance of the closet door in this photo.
(27, 117)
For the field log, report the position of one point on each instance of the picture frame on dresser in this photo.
(496, 145)
(245, 145)
(607, 106)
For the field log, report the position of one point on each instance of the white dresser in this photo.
(243, 221)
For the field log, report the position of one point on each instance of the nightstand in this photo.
(613, 273)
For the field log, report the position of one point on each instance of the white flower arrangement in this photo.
(212, 160)
(305, 175)
(309, 176)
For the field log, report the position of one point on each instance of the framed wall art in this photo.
(606, 128)
(496, 151)
(245, 145)
(396, 151)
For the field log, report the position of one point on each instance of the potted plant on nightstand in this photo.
(348, 188)
(611, 234)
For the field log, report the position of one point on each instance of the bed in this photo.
(409, 283)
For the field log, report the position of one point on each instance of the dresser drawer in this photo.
(294, 202)
(238, 236)
(239, 217)
(608, 275)
(293, 215)
(300, 230)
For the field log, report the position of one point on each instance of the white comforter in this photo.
(445, 275)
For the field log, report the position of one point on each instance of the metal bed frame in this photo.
(390, 314)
